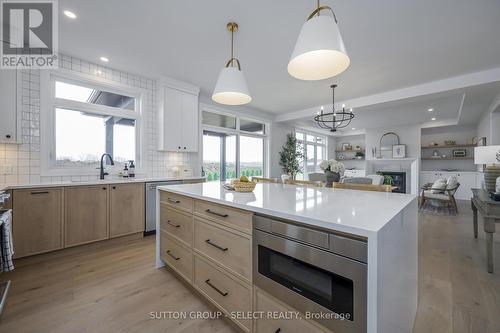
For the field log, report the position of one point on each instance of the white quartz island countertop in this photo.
(362, 213)
(388, 222)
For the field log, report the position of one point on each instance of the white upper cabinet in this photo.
(9, 122)
(178, 116)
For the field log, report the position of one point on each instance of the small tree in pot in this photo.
(291, 156)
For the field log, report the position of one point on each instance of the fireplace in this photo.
(398, 180)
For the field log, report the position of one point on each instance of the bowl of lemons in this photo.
(243, 184)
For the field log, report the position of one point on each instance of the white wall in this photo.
(408, 135)
(495, 127)
(25, 156)
(353, 140)
(278, 139)
(461, 134)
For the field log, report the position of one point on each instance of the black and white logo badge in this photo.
(29, 34)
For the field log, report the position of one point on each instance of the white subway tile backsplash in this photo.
(25, 157)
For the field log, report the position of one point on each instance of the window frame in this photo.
(237, 132)
(50, 103)
(314, 143)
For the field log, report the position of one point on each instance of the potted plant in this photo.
(291, 157)
(333, 170)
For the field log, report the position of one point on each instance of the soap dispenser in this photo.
(131, 169)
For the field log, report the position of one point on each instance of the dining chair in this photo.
(304, 183)
(364, 187)
(264, 180)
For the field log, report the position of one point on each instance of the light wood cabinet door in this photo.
(37, 221)
(126, 209)
(86, 214)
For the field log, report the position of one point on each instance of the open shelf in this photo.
(352, 159)
(452, 146)
(447, 158)
(349, 151)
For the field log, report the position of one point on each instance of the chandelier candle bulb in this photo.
(334, 120)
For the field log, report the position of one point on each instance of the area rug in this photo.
(437, 208)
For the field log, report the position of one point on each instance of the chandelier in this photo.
(334, 120)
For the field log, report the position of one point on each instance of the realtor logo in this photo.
(29, 34)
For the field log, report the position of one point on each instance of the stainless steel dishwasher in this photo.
(151, 204)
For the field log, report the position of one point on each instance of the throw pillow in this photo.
(451, 183)
(439, 186)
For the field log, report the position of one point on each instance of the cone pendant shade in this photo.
(231, 87)
(319, 52)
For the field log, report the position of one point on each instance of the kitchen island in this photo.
(211, 237)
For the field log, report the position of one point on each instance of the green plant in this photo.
(359, 154)
(291, 156)
(388, 180)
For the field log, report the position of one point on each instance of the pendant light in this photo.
(319, 52)
(231, 87)
(335, 120)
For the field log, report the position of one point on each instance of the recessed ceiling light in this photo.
(430, 109)
(70, 14)
(354, 128)
(104, 59)
(433, 118)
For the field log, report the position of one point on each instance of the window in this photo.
(314, 149)
(228, 152)
(87, 119)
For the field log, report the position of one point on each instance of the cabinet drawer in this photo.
(267, 324)
(176, 224)
(234, 218)
(231, 250)
(222, 289)
(176, 200)
(176, 256)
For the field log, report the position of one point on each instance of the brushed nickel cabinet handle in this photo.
(172, 256)
(215, 213)
(173, 225)
(216, 289)
(224, 249)
(173, 201)
(38, 193)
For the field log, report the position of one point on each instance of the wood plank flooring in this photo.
(113, 286)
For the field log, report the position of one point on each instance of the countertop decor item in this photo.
(489, 155)
(334, 120)
(319, 52)
(387, 141)
(240, 186)
(399, 151)
(231, 87)
(291, 156)
(450, 142)
(333, 170)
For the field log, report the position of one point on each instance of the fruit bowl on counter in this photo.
(241, 185)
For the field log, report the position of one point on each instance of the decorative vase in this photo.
(284, 178)
(491, 173)
(331, 177)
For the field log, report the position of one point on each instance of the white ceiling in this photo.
(456, 107)
(392, 43)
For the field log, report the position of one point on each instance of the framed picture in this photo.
(399, 151)
(346, 146)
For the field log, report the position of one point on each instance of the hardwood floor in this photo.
(456, 293)
(104, 288)
(113, 286)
